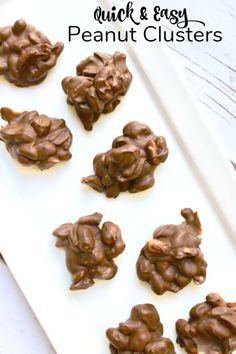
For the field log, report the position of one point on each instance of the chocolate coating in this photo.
(100, 80)
(141, 333)
(90, 249)
(211, 328)
(173, 258)
(35, 139)
(26, 55)
(130, 164)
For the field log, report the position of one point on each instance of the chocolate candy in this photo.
(141, 333)
(173, 258)
(130, 164)
(26, 55)
(211, 328)
(100, 80)
(35, 139)
(89, 249)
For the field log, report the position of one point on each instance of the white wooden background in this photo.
(211, 71)
(211, 67)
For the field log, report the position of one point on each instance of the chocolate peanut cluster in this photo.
(141, 333)
(130, 164)
(90, 249)
(101, 79)
(35, 139)
(211, 328)
(173, 258)
(26, 55)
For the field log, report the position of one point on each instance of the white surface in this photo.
(20, 332)
(95, 296)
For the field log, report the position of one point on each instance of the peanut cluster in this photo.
(173, 258)
(210, 329)
(89, 249)
(141, 333)
(101, 79)
(26, 55)
(35, 139)
(130, 164)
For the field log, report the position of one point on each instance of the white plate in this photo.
(34, 203)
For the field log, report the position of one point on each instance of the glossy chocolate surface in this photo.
(140, 334)
(101, 79)
(173, 258)
(26, 55)
(211, 328)
(90, 249)
(35, 139)
(130, 164)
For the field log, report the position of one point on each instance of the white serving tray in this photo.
(34, 203)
